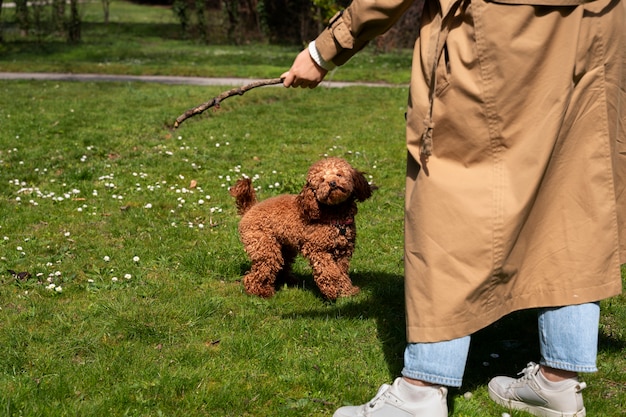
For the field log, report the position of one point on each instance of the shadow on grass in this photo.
(136, 30)
(170, 31)
(94, 34)
(503, 348)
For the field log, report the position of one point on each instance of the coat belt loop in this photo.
(445, 20)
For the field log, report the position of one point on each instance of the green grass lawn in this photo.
(91, 180)
(126, 297)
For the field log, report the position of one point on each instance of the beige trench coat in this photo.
(516, 173)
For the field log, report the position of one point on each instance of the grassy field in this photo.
(120, 261)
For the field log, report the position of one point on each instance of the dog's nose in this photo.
(333, 184)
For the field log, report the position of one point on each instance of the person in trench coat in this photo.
(515, 186)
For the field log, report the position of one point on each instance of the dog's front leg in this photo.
(331, 275)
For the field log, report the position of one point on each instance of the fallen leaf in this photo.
(212, 342)
(22, 276)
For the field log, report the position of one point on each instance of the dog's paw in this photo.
(254, 287)
(262, 292)
(354, 290)
(334, 293)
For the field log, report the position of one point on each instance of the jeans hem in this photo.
(433, 379)
(569, 366)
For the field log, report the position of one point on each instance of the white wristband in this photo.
(315, 55)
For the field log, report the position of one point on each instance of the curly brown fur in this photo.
(245, 196)
(317, 223)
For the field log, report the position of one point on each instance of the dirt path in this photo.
(162, 79)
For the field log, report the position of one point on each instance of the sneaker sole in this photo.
(533, 409)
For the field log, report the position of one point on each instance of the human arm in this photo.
(346, 34)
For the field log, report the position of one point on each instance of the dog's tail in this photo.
(245, 196)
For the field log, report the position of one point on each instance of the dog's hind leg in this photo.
(267, 262)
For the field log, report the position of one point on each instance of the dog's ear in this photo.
(362, 189)
(308, 203)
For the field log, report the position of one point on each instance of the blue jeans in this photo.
(568, 340)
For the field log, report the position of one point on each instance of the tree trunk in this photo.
(1, 24)
(58, 15)
(74, 24)
(21, 15)
(106, 7)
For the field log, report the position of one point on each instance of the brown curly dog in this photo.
(318, 223)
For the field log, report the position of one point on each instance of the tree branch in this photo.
(215, 101)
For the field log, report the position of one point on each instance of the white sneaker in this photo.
(538, 396)
(401, 400)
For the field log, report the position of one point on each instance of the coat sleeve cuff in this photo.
(326, 46)
(336, 43)
(317, 57)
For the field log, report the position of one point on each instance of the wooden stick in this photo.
(215, 101)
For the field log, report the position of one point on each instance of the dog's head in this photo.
(332, 182)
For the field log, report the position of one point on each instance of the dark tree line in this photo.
(42, 18)
(277, 21)
(216, 21)
(238, 21)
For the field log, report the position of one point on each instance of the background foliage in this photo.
(209, 21)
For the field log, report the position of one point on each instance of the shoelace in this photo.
(381, 392)
(532, 369)
(528, 372)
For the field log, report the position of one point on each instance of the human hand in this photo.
(304, 72)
